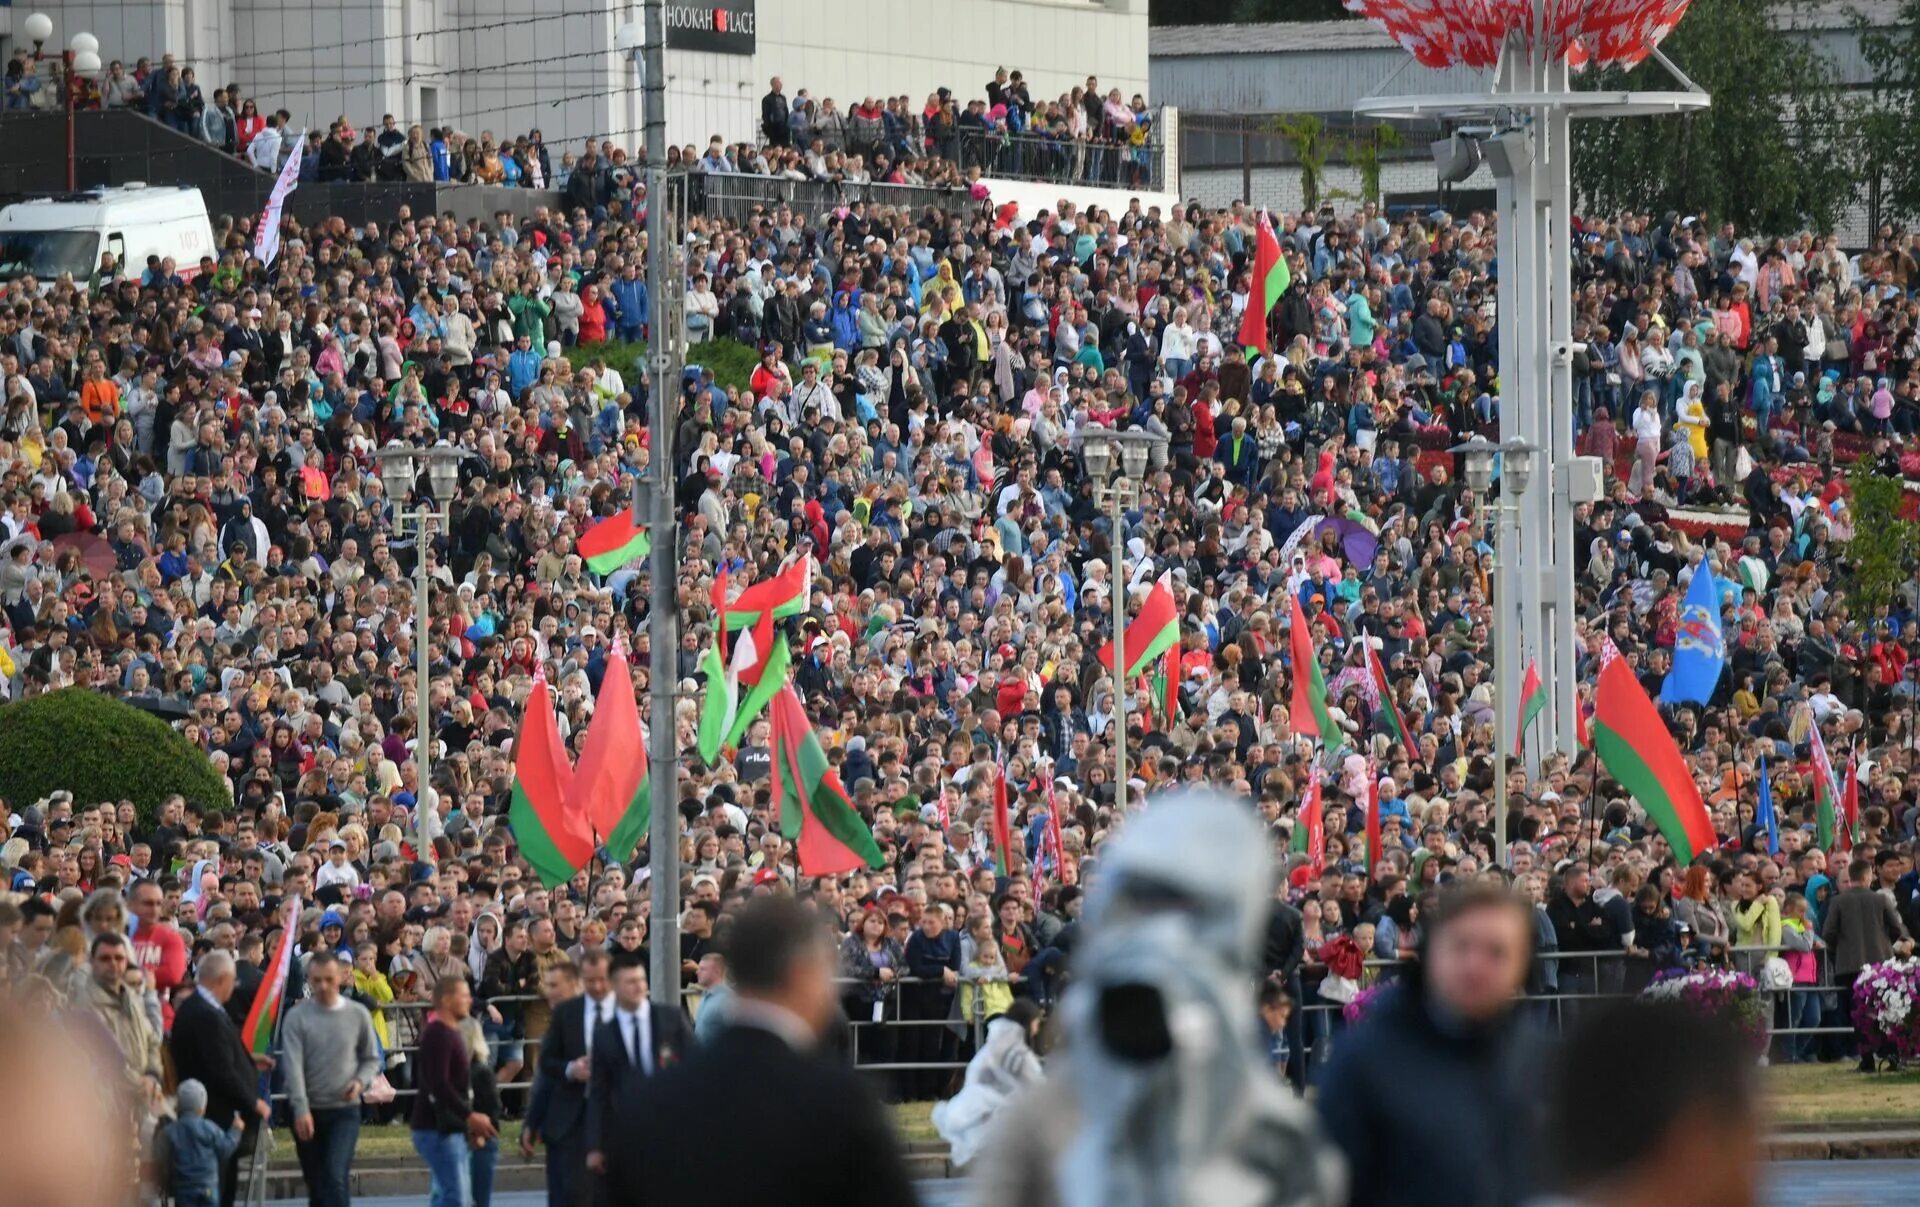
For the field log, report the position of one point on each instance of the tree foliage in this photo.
(1769, 155)
(1367, 150)
(100, 750)
(1885, 544)
(1308, 134)
(1890, 126)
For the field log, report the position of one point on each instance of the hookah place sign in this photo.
(723, 29)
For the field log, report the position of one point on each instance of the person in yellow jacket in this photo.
(1690, 416)
(374, 990)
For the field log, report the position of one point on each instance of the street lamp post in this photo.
(1134, 449)
(1516, 469)
(426, 474)
(79, 64)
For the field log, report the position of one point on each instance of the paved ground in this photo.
(1793, 1184)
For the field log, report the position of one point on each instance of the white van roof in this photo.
(100, 208)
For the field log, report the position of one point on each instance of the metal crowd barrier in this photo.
(1606, 973)
(892, 1018)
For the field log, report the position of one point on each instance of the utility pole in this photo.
(653, 504)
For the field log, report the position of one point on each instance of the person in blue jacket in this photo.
(846, 319)
(629, 294)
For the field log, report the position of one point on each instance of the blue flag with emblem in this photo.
(1763, 811)
(1699, 645)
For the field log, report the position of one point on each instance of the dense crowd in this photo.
(915, 429)
(1085, 134)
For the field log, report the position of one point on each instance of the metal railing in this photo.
(892, 1017)
(736, 197)
(1322, 1021)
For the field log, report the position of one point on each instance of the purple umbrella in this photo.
(1355, 541)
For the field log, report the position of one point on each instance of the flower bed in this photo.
(1730, 997)
(1884, 997)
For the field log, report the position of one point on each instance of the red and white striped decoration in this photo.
(1469, 33)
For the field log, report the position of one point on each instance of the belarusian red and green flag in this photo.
(548, 824)
(1308, 709)
(1388, 717)
(1373, 818)
(1153, 645)
(816, 813)
(1831, 834)
(1002, 823)
(785, 594)
(1533, 701)
(1850, 802)
(613, 542)
(263, 1019)
(611, 778)
(1310, 834)
(1271, 277)
(1633, 744)
(760, 661)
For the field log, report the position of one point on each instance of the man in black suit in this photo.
(629, 1049)
(823, 1137)
(207, 1047)
(557, 1112)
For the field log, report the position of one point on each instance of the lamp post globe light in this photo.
(430, 477)
(38, 28)
(1516, 473)
(1116, 464)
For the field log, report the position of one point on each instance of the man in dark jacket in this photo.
(1862, 928)
(776, 117)
(933, 964)
(825, 1137)
(1280, 958)
(1581, 926)
(582, 1001)
(636, 1044)
(206, 1046)
(1430, 1097)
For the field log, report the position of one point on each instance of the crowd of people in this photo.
(915, 430)
(1085, 134)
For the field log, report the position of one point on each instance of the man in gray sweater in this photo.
(330, 1056)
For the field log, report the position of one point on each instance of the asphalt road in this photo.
(1793, 1184)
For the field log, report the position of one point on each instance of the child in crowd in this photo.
(196, 1147)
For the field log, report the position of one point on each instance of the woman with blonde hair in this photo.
(485, 1087)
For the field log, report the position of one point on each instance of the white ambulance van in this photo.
(46, 236)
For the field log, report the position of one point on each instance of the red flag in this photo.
(1054, 838)
(1002, 824)
(1373, 818)
(1270, 281)
(1849, 804)
(1316, 828)
(720, 611)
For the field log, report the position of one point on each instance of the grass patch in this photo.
(914, 1121)
(392, 1142)
(732, 362)
(1834, 1093)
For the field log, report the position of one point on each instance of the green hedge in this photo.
(99, 749)
(732, 362)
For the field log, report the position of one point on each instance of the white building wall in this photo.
(1279, 189)
(512, 65)
(200, 33)
(852, 49)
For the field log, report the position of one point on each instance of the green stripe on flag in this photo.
(1625, 763)
(614, 559)
(536, 843)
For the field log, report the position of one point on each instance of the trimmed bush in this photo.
(99, 749)
(732, 362)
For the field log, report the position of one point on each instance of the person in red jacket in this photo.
(593, 316)
(157, 946)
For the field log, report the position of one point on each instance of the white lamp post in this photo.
(1134, 451)
(1516, 471)
(427, 474)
